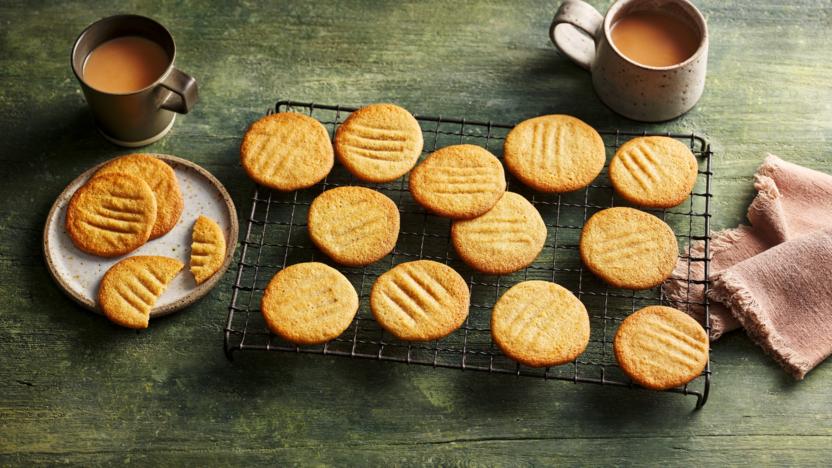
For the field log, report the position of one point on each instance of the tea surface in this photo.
(655, 39)
(125, 64)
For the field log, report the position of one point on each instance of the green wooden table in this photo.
(75, 389)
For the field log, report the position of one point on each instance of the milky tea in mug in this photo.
(125, 64)
(648, 58)
(654, 38)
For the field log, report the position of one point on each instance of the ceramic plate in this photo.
(79, 273)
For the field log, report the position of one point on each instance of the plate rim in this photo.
(191, 297)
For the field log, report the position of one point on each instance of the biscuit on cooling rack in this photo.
(540, 324)
(629, 248)
(111, 215)
(505, 239)
(379, 142)
(661, 347)
(554, 153)
(287, 151)
(459, 182)
(421, 300)
(131, 287)
(354, 226)
(654, 171)
(309, 303)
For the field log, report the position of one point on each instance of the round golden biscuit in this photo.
(540, 324)
(161, 179)
(420, 301)
(460, 181)
(379, 142)
(656, 172)
(207, 248)
(309, 303)
(505, 239)
(130, 288)
(554, 153)
(354, 226)
(629, 248)
(661, 347)
(111, 215)
(287, 151)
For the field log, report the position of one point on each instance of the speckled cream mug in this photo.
(634, 90)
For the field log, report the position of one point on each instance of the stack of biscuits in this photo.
(537, 323)
(129, 201)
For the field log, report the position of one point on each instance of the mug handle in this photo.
(183, 92)
(574, 31)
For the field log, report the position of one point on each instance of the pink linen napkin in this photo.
(783, 299)
(792, 201)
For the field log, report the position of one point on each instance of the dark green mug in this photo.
(137, 118)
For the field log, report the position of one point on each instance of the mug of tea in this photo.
(647, 58)
(125, 65)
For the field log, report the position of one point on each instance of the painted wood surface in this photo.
(75, 389)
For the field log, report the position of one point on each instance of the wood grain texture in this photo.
(76, 389)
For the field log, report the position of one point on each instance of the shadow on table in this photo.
(474, 395)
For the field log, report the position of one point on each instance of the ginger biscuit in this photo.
(131, 287)
(661, 347)
(460, 181)
(554, 153)
(111, 215)
(161, 179)
(379, 142)
(420, 301)
(540, 324)
(354, 226)
(207, 248)
(629, 248)
(656, 172)
(287, 151)
(505, 239)
(309, 303)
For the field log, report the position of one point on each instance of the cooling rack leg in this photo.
(703, 398)
(229, 351)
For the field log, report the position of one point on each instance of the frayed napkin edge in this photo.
(729, 290)
(677, 289)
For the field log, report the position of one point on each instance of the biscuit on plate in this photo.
(161, 179)
(540, 324)
(379, 142)
(111, 215)
(554, 153)
(505, 239)
(460, 181)
(131, 287)
(629, 248)
(309, 303)
(421, 300)
(655, 172)
(207, 248)
(661, 347)
(354, 226)
(287, 151)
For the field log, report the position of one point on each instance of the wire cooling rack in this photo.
(276, 236)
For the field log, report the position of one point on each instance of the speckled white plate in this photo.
(79, 273)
